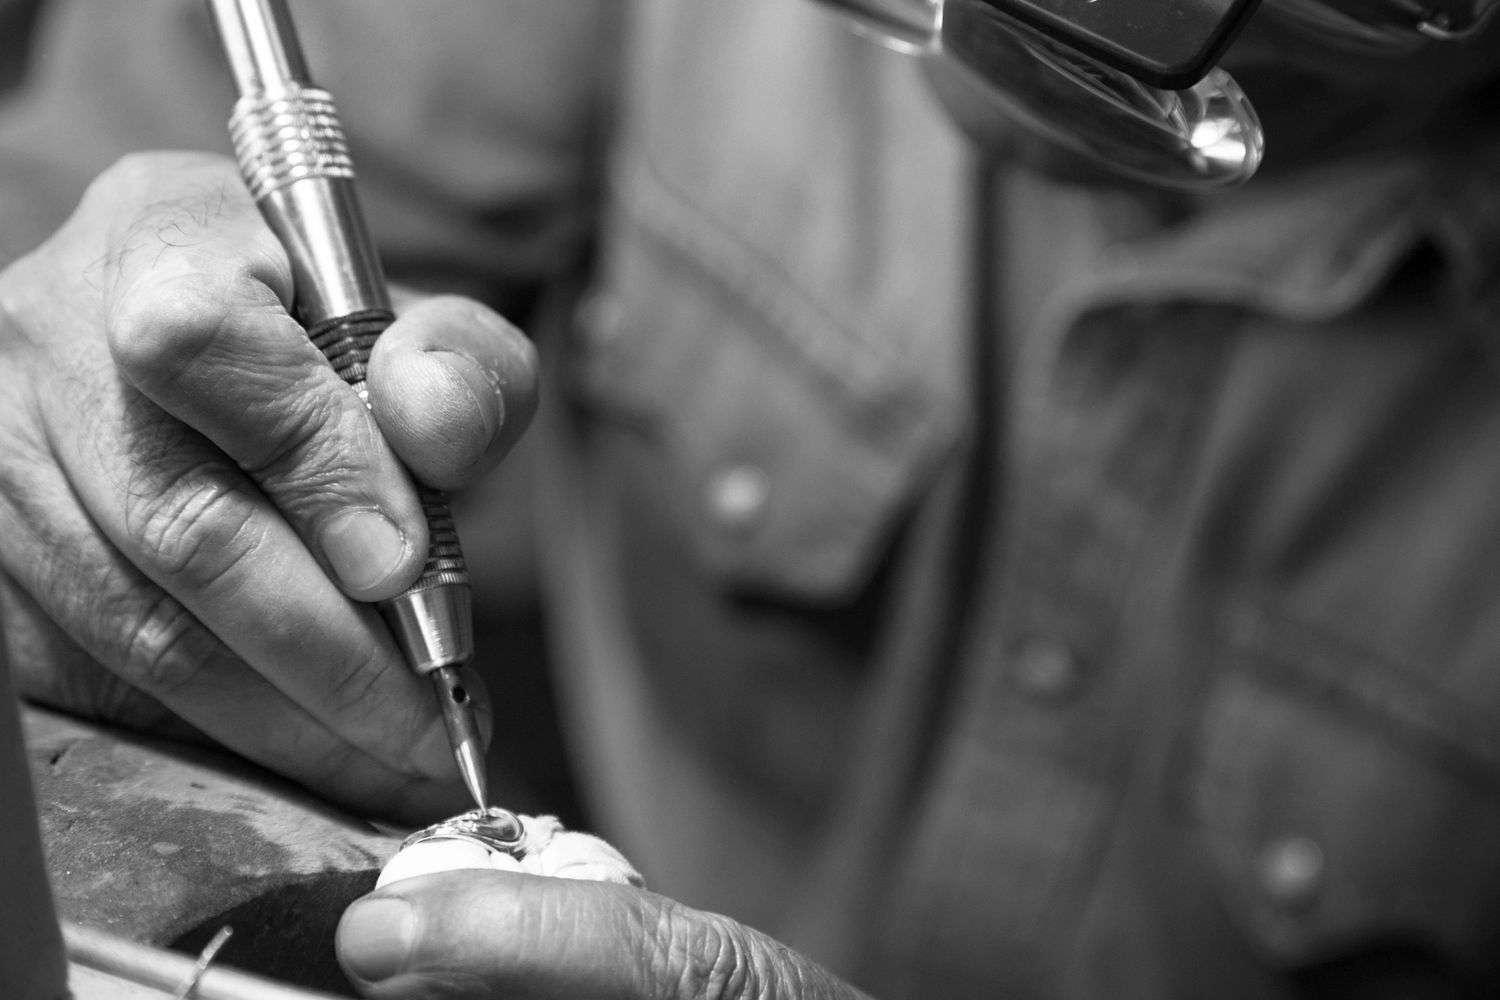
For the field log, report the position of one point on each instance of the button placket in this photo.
(600, 317)
(1047, 669)
(1291, 871)
(738, 495)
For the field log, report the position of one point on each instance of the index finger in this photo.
(196, 312)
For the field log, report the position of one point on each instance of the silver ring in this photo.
(494, 828)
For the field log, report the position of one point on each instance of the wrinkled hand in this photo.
(485, 935)
(194, 508)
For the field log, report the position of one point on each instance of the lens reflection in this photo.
(904, 25)
(1204, 137)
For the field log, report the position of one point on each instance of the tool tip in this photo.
(463, 733)
(471, 767)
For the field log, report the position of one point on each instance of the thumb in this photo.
(472, 935)
(452, 386)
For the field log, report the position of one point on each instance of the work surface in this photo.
(164, 844)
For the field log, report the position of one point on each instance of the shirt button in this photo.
(1047, 669)
(599, 317)
(1291, 871)
(737, 496)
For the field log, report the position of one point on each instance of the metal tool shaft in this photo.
(292, 153)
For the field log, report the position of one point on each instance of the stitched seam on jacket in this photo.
(1294, 654)
(658, 208)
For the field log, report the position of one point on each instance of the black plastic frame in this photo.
(1170, 44)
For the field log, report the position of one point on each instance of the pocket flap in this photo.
(1339, 811)
(793, 477)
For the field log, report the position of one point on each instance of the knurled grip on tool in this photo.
(346, 343)
(295, 161)
(285, 137)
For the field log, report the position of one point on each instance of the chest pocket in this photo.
(767, 376)
(783, 304)
(756, 487)
(1348, 811)
(784, 471)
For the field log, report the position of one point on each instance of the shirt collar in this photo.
(1317, 244)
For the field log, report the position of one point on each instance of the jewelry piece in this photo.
(493, 828)
(497, 839)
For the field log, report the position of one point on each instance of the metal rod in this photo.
(292, 153)
(156, 968)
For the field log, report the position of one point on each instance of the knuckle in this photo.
(143, 171)
(196, 530)
(154, 336)
(164, 647)
(23, 288)
(353, 692)
(314, 447)
(161, 213)
(363, 686)
(130, 172)
(143, 180)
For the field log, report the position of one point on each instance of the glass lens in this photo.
(904, 25)
(1204, 137)
(1340, 30)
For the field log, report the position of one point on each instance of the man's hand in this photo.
(483, 935)
(194, 509)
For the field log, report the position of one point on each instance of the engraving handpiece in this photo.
(294, 159)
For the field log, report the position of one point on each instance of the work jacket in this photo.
(989, 585)
(1002, 587)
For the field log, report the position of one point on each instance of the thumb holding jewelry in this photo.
(505, 841)
(564, 917)
(478, 935)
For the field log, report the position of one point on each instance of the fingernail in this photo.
(375, 938)
(483, 387)
(363, 547)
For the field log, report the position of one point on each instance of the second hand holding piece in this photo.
(291, 151)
